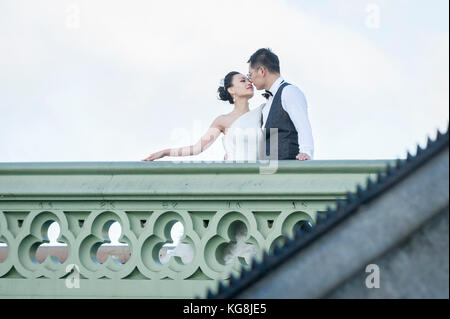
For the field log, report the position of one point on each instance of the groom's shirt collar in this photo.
(276, 85)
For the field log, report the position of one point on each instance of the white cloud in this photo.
(118, 87)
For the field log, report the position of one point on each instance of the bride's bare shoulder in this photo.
(221, 121)
(225, 119)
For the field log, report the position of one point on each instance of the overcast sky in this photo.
(101, 80)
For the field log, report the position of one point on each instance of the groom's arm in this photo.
(294, 103)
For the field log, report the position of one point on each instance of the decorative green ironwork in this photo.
(227, 211)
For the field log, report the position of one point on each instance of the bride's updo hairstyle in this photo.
(224, 95)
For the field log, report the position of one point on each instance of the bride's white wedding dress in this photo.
(243, 138)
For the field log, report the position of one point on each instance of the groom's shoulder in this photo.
(291, 86)
(293, 90)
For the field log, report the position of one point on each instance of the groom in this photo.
(285, 115)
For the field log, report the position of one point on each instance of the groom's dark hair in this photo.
(266, 58)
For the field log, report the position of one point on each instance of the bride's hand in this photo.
(156, 155)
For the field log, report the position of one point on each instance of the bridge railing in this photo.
(226, 213)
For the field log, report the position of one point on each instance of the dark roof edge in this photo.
(345, 208)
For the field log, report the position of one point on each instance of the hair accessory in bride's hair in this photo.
(222, 82)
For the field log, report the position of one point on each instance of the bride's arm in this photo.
(205, 141)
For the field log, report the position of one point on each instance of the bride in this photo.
(241, 127)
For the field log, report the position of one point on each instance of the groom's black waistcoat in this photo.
(287, 135)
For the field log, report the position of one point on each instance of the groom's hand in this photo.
(302, 157)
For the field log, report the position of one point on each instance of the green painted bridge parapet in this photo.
(229, 212)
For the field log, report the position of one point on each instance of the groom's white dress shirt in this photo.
(294, 103)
